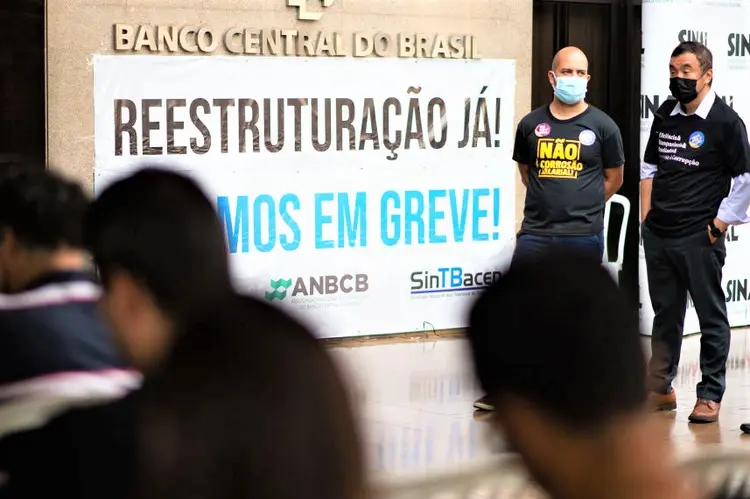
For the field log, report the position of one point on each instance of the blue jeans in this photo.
(530, 245)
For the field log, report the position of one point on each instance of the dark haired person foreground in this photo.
(240, 400)
(66, 427)
(698, 144)
(161, 255)
(248, 405)
(557, 348)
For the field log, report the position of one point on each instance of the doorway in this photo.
(609, 32)
(22, 62)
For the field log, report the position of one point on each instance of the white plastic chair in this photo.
(616, 266)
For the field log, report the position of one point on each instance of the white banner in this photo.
(372, 196)
(724, 27)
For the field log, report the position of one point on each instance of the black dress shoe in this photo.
(745, 427)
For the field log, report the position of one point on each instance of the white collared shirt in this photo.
(703, 108)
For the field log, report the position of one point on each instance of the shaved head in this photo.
(571, 58)
(571, 67)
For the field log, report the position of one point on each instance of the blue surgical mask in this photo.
(570, 89)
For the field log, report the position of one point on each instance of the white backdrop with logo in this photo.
(724, 26)
(370, 196)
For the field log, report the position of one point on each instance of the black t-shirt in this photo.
(566, 160)
(696, 159)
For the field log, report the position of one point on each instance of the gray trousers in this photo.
(675, 267)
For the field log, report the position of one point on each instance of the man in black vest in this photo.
(698, 144)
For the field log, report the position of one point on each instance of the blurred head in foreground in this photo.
(41, 215)
(556, 346)
(240, 400)
(249, 405)
(161, 255)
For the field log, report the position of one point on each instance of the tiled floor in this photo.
(735, 406)
(416, 396)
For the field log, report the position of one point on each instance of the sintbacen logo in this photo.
(317, 291)
(450, 280)
(738, 50)
(735, 291)
(688, 35)
(649, 105)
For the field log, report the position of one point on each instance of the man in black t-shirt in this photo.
(698, 144)
(570, 158)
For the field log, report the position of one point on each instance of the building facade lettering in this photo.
(166, 39)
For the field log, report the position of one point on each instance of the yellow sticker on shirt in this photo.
(558, 158)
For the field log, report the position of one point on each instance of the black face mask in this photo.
(683, 89)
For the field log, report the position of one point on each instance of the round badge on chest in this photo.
(542, 130)
(587, 137)
(696, 140)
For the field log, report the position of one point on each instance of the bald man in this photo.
(570, 158)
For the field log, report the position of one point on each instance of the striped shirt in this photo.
(66, 422)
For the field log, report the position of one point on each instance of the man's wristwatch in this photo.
(715, 231)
